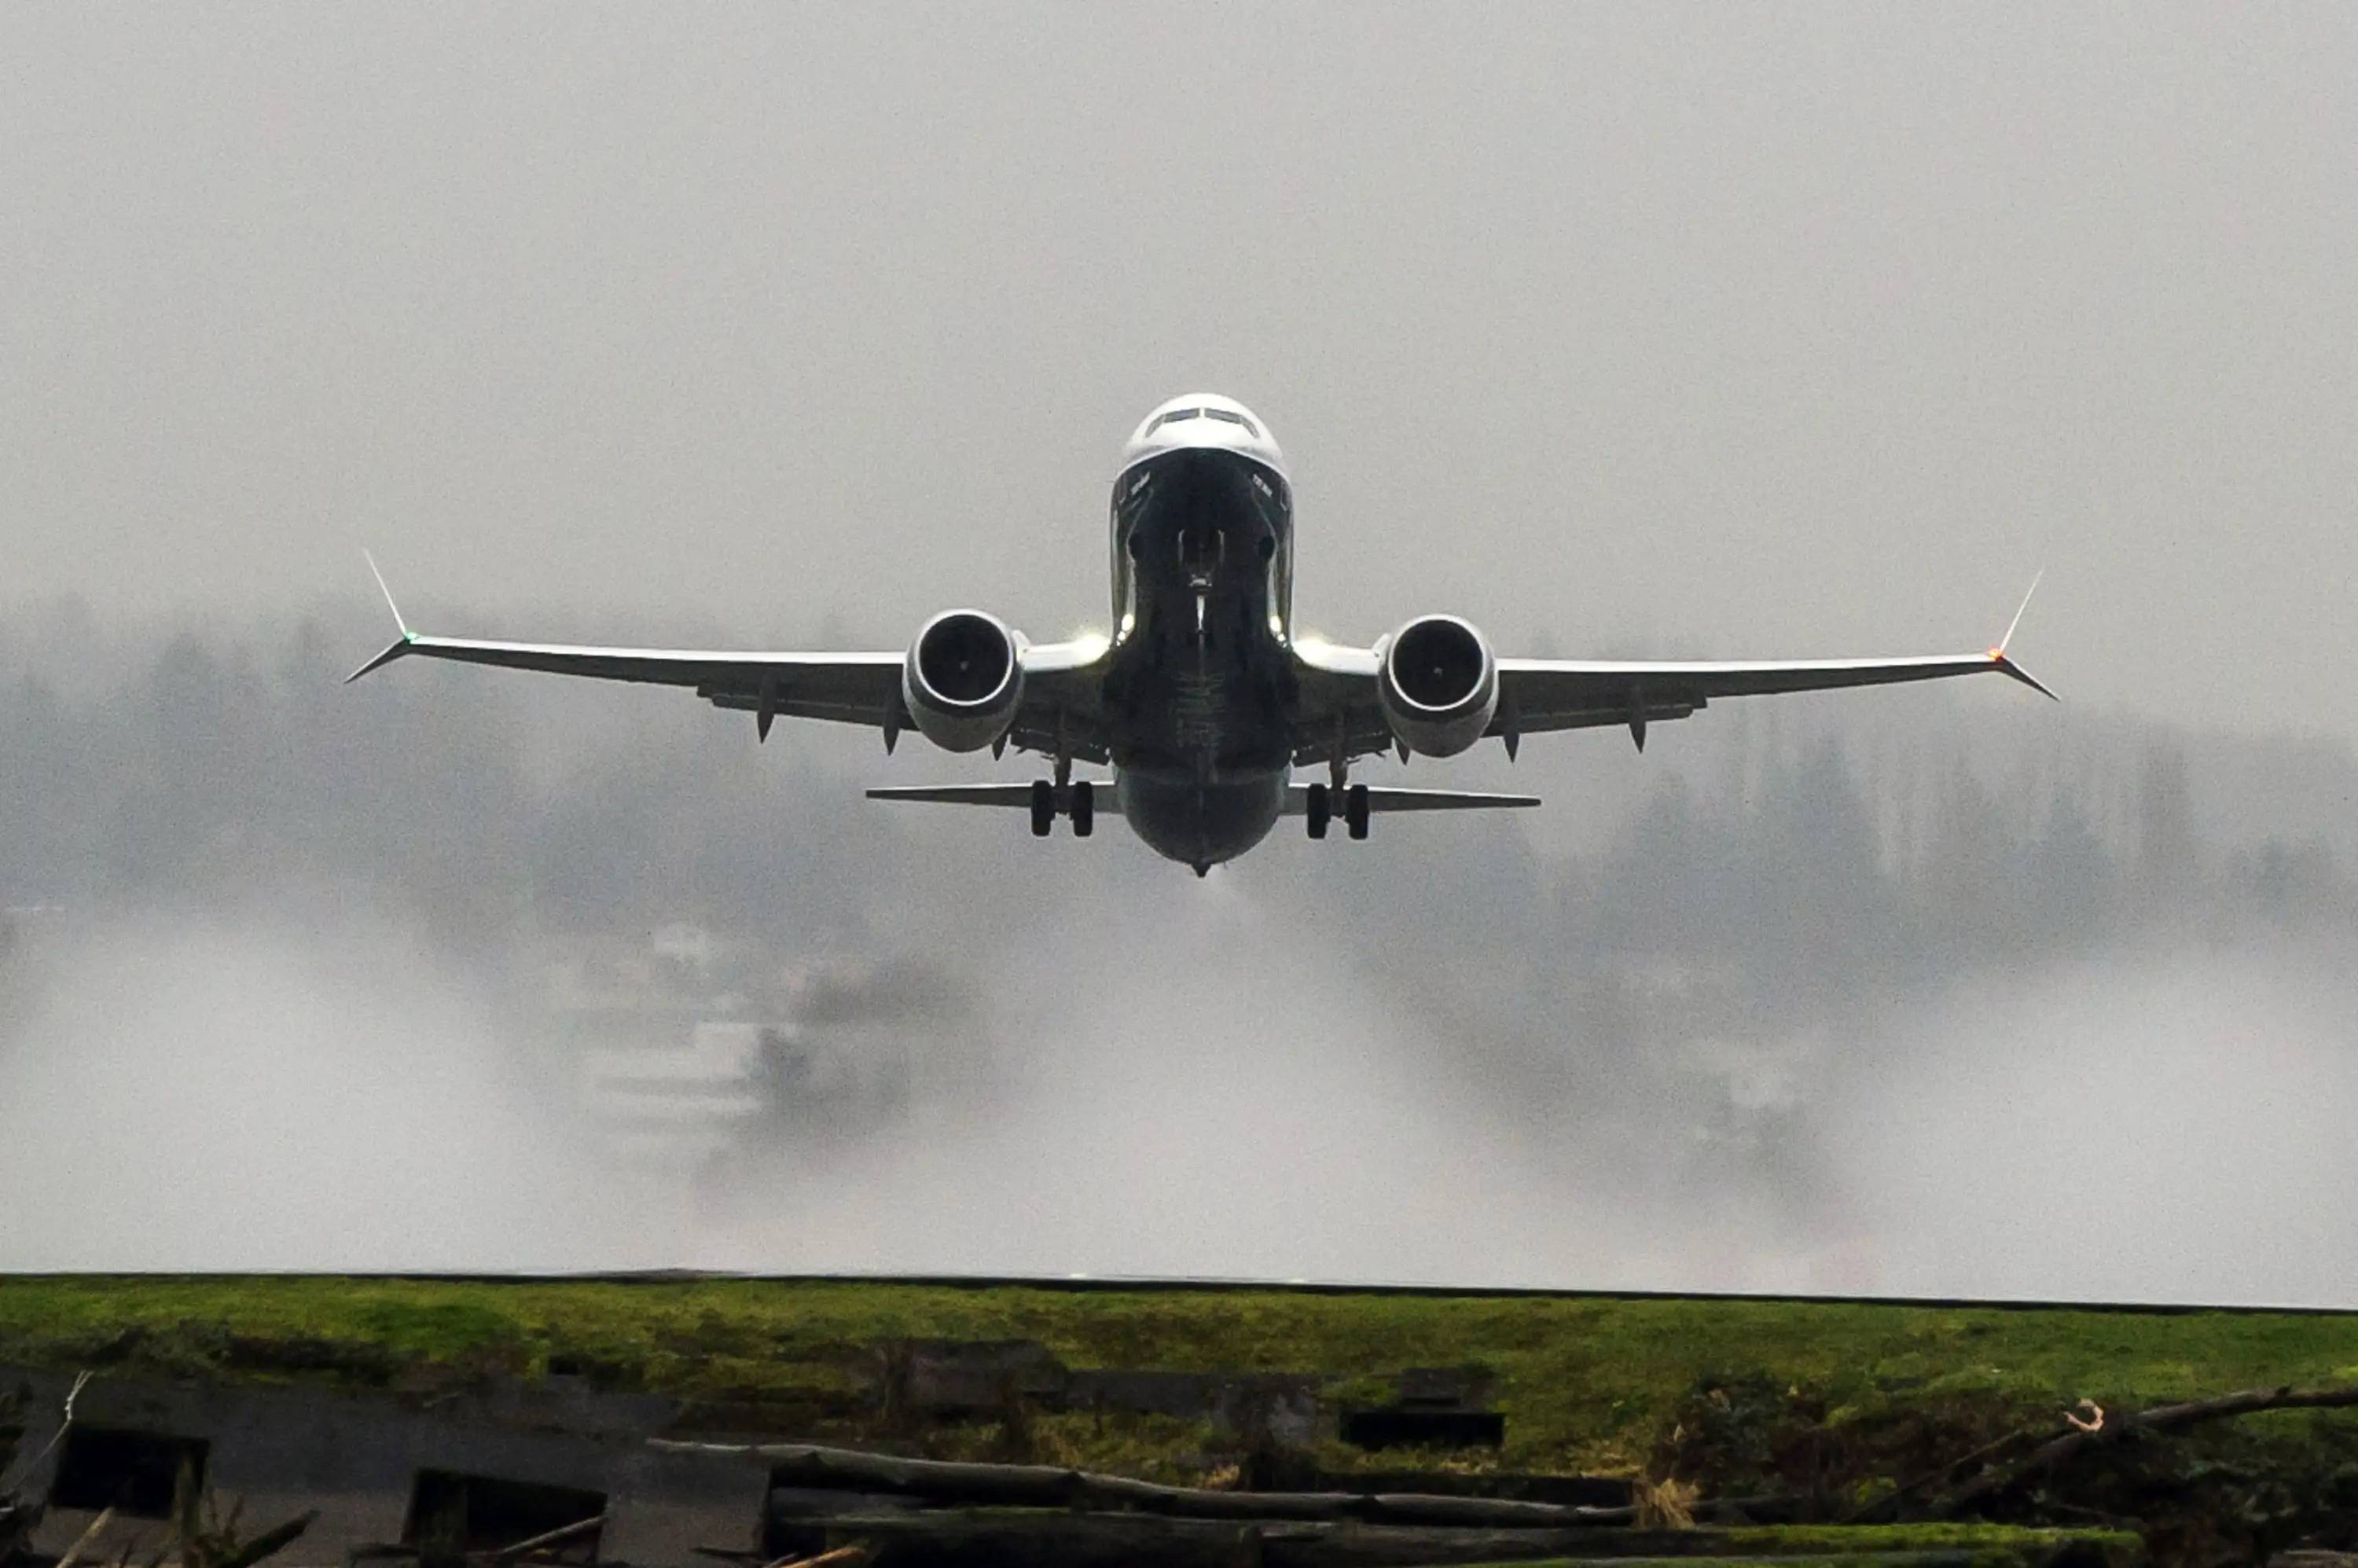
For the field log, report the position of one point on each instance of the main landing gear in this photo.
(1080, 804)
(1319, 809)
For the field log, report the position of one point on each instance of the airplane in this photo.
(1204, 699)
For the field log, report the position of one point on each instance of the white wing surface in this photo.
(852, 687)
(1340, 707)
(1537, 694)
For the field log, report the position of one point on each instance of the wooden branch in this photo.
(841, 1557)
(65, 1424)
(82, 1542)
(275, 1540)
(556, 1537)
(2106, 1432)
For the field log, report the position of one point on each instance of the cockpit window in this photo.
(1234, 419)
(1172, 418)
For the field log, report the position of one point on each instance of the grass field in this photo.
(1587, 1383)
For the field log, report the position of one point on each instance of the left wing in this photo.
(1383, 798)
(1339, 709)
(846, 688)
(1538, 695)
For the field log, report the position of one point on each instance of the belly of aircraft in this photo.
(1197, 699)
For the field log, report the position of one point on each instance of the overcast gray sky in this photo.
(1754, 331)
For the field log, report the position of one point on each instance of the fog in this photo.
(1657, 330)
(200, 1095)
(1914, 993)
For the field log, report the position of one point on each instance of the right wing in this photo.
(861, 688)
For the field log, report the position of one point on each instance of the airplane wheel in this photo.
(1043, 808)
(1085, 809)
(1355, 810)
(1318, 810)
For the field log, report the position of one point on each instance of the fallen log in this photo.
(2102, 1432)
(1048, 1538)
(959, 1484)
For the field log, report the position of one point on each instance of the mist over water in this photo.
(1787, 1016)
(189, 1095)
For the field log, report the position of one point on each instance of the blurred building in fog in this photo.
(689, 1047)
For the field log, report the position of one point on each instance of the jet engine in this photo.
(1439, 685)
(962, 679)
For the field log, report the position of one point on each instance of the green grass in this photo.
(1585, 1382)
(1840, 1541)
(1997, 1545)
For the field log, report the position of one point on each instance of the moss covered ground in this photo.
(1864, 1546)
(1587, 1383)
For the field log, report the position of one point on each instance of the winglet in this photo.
(407, 636)
(1997, 655)
(2024, 677)
(2001, 642)
(404, 625)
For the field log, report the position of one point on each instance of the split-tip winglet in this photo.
(398, 648)
(1997, 655)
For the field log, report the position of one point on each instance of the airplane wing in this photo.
(1016, 797)
(1537, 694)
(1340, 705)
(1297, 797)
(1382, 799)
(847, 687)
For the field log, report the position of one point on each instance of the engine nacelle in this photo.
(1439, 685)
(962, 679)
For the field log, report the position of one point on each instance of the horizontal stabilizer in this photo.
(1014, 795)
(1382, 800)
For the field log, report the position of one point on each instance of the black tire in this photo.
(1085, 809)
(1043, 808)
(1318, 810)
(1355, 810)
